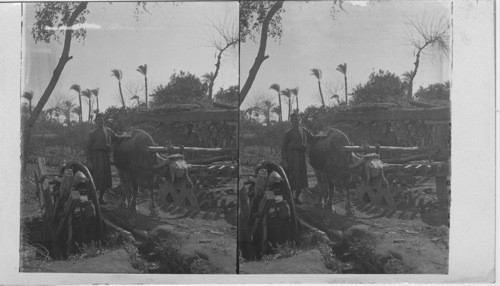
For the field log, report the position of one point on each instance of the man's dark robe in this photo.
(98, 150)
(293, 151)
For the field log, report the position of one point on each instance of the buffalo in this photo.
(135, 162)
(334, 167)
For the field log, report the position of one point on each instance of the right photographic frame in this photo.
(345, 137)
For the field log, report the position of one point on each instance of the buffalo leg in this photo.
(322, 180)
(319, 182)
(345, 185)
(152, 205)
(135, 192)
(330, 190)
(125, 189)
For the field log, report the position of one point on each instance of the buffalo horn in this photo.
(167, 159)
(356, 160)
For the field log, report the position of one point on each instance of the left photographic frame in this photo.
(129, 122)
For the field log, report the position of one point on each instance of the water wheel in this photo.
(69, 206)
(259, 226)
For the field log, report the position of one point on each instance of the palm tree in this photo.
(29, 96)
(50, 112)
(118, 74)
(295, 91)
(77, 110)
(88, 94)
(276, 87)
(288, 94)
(267, 107)
(143, 69)
(336, 96)
(135, 97)
(208, 79)
(249, 111)
(66, 108)
(95, 92)
(276, 110)
(77, 88)
(343, 69)
(317, 73)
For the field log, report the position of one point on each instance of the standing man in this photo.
(293, 155)
(97, 151)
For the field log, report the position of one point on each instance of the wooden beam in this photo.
(211, 160)
(174, 149)
(406, 159)
(421, 104)
(188, 116)
(388, 148)
(440, 113)
(224, 105)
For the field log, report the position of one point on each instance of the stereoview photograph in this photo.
(344, 137)
(129, 137)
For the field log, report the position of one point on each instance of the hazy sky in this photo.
(174, 37)
(367, 37)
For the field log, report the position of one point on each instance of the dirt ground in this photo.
(411, 237)
(199, 241)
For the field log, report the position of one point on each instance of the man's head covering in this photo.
(274, 177)
(79, 177)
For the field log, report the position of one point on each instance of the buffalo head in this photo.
(174, 169)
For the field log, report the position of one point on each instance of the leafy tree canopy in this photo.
(229, 95)
(51, 17)
(316, 118)
(252, 14)
(381, 87)
(182, 87)
(114, 117)
(435, 91)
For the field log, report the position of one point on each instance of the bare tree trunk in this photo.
(217, 67)
(321, 94)
(90, 108)
(281, 109)
(261, 57)
(80, 116)
(121, 93)
(97, 98)
(297, 100)
(30, 124)
(345, 86)
(414, 73)
(146, 86)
